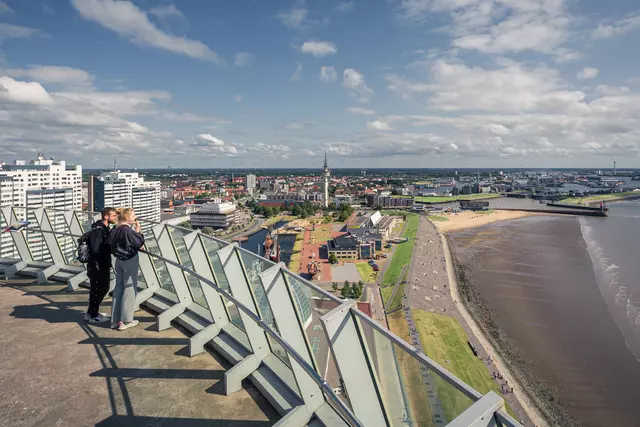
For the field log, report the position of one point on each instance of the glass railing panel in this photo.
(177, 237)
(413, 394)
(311, 304)
(151, 246)
(211, 247)
(254, 265)
(85, 219)
(66, 242)
(7, 247)
(35, 239)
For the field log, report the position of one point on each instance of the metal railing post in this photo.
(481, 414)
(20, 242)
(52, 244)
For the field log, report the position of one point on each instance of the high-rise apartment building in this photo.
(250, 183)
(38, 183)
(127, 190)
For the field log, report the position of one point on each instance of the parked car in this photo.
(371, 262)
(375, 267)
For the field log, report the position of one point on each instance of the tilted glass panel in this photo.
(211, 248)
(85, 219)
(177, 236)
(254, 265)
(413, 394)
(66, 242)
(8, 249)
(35, 239)
(311, 305)
(151, 246)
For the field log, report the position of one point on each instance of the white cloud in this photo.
(346, 6)
(213, 145)
(294, 17)
(10, 31)
(378, 125)
(588, 73)
(272, 150)
(318, 48)
(623, 26)
(297, 75)
(361, 111)
(498, 26)
(67, 76)
(130, 22)
(243, 59)
(354, 81)
(328, 74)
(612, 90)
(23, 92)
(166, 11)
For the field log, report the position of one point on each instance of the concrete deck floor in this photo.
(57, 370)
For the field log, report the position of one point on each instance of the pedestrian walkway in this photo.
(56, 370)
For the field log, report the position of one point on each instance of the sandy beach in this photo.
(469, 219)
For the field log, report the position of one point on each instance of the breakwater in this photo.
(597, 212)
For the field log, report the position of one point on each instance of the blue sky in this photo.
(376, 83)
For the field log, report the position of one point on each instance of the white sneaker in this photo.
(100, 318)
(122, 326)
(87, 317)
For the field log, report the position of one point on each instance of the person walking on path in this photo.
(125, 242)
(99, 264)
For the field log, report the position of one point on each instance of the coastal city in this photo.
(378, 236)
(336, 213)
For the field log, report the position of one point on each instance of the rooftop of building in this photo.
(343, 243)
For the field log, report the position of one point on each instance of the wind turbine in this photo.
(614, 165)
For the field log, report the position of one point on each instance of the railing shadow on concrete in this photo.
(314, 356)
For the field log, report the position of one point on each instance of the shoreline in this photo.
(492, 348)
(472, 219)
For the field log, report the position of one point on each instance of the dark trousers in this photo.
(99, 277)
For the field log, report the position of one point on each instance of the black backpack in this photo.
(83, 254)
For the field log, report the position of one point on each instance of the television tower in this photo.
(325, 186)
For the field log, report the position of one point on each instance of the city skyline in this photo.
(407, 83)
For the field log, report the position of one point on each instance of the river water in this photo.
(255, 241)
(565, 292)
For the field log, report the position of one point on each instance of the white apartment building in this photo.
(39, 183)
(127, 189)
(215, 215)
(250, 183)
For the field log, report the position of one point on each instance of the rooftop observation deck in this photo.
(226, 338)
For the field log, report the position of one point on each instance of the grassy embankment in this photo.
(444, 341)
(445, 199)
(400, 258)
(438, 218)
(294, 262)
(278, 218)
(599, 197)
(419, 411)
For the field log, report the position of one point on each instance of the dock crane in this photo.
(614, 165)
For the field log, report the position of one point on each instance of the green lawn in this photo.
(386, 292)
(366, 272)
(444, 199)
(444, 341)
(297, 246)
(278, 218)
(598, 197)
(438, 218)
(402, 254)
(294, 262)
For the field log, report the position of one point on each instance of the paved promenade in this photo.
(56, 370)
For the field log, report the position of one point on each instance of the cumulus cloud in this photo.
(294, 17)
(166, 11)
(378, 125)
(23, 92)
(328, 74)
(132, 23)
(242, 59)
(354, 81)
(214, 145)
(318, 48)
(588, 73)
(361, 111)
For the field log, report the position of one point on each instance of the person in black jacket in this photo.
(99, 265)
(125, 241)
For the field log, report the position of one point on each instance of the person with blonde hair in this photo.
(125, 241)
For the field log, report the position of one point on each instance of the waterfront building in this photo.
(127, 189)
(215, 215)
